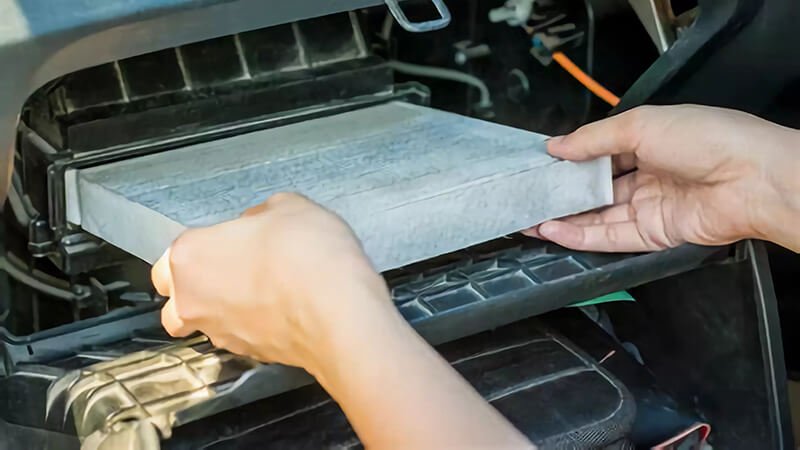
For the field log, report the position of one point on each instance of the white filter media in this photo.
(413, 182)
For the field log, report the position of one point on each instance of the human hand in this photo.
(695, 174)
(276, 284)
(289, 283)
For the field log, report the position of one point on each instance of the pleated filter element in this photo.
(413, 183)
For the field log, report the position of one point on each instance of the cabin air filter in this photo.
(413, 183)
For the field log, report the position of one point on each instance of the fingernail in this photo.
(532, 232)
(561, 232)
(554, 139)
(547, 229)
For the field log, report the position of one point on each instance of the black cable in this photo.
(5, 286)
(472, 34)
(590, 32)
(16, 269)
(20, 205)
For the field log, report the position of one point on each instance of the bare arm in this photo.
(289, 283)
(399, 393)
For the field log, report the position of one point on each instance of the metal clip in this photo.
(420, 27)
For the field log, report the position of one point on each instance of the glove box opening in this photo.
(746, 334)
(695, 349)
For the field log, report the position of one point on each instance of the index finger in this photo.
(161, 275)
(605, 237)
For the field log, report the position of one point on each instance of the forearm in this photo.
(398, 392)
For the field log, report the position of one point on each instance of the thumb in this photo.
(613, 136)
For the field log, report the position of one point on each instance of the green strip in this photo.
(621, 296)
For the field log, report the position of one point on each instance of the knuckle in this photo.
(218, 341)
(182, 251)
(172, 331)
(184, 314)
(168, 325)
(283, 197)
(174, 324)
(642, 113)
(193, 308)
(626, 132)
(631, 125)
(255, 210)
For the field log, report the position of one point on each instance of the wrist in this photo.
(780, 213)
(356, 324)
(366, 346)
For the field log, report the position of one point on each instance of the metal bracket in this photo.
(658, 19)
(420, 27)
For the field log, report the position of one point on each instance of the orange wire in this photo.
(585, 79)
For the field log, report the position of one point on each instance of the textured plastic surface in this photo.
(412, 182)
(171, 92)
(41, 39)
(463, 294)
(513, 368)
(547, 387)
